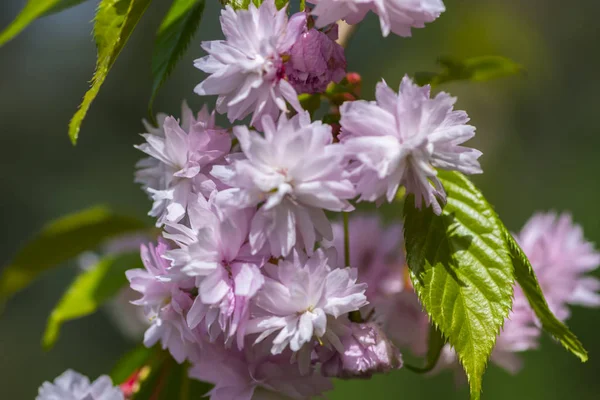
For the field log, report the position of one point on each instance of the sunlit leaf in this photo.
(89, 291)
(114, 23)
(476, 69)
(241, 4)
(172, 39)
(32, 10)
(60, 241)
(527, 280)
(462, 271)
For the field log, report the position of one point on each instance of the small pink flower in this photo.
(399, 139)
(293, 173)
(165, 303)
(214, 250)
(255, 374)
(246, 69)
(180, 153)
(397, 16)
(300, 296)
(74, 386)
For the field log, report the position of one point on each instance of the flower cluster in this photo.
(251, 282)
(249, 269)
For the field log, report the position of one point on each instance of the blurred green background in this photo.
(539, 135)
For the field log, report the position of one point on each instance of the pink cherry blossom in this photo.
(255, 374)
(180, 154)
(301, 296)
(165, 303)
(401, 138)
(246, 69)
(294, 172)
(71, 385)
(214, 250)
(397, 16)
(561, 258)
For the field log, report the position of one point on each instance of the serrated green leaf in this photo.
(526, 278)
(60, 241)
(461, 269)
(173, 37)
(115, 21)
(478, 69)
(89, 291)
(131, 362)
(435, 344)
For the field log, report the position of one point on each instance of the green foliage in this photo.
(90, 290)
(241, 4)
(131, 362)
(281, 3)
(63, 5)
(461, 269)
(60, 241)
(527, 280)
(32, 10)
(114, 23)
(173, 38)
(168, 380)
(310, 102)
(435, 344)
(478, 69)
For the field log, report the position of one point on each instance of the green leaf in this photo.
(63, 5)
(281, 3)
(310, 102)
(90, 290)
(461, 269)
(241, 4)
(32, 10)
(526, 278)
(435, 344)
(60, 241)
(478, 69)
(114, 23)
(130, 362)
(172, 39)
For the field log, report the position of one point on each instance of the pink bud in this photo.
(315, 61)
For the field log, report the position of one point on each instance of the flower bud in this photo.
(367, 350)
(315, 61)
